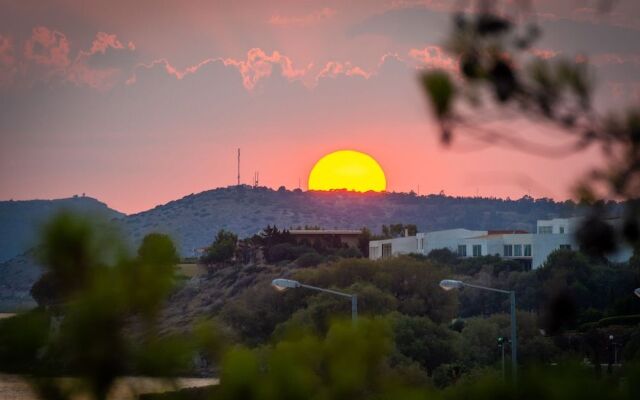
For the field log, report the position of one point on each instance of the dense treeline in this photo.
(565, 309)
(411, 337)
(196, 218)
(273, 245)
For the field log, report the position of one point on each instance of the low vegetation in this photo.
(411, 339)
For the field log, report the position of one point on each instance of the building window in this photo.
(477, 250)
(565, 247)
(462, 250)
(517, 250)
(562, 229)
(508, 250)
(421, 243)
(527, 250)
(545, 229)
(386, 250)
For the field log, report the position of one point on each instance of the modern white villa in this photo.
(531, 249)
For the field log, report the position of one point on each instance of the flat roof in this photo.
(489, 235)
(325, 231)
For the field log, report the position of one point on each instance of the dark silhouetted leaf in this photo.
(470, 66)
(504, 81)
(440, 90)
(560, 312)
(596, 237)
(489, 24)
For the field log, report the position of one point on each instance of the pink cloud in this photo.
(302, 20)
(104, 41)
(8, 67)
(259, 64)
(170, 69)
(434, 57)
(111, 67)
(334, 68)
(47, 47)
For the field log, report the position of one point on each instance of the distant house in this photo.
(530, 249)
(558, 233)
(386, 248)
(335, 237)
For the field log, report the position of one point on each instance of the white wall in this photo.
(559, 225)
(541, 244)
(545, 244)
(446, 239)
(401, 245)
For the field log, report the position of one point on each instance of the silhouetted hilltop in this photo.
(193, 220)
(20, 221)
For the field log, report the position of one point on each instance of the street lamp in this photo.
(637, 292)
(283, 284)
(450, 284)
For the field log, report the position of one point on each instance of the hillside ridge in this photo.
(194, 219)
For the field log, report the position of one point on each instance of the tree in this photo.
(397, 230)
(498, 77)
(101, 295)
(222, 249)
(158, 249)
(363, 241)
(424, 341)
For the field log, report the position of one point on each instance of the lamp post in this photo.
(637, 292)
(283, 284)
(449, 284)
(501, 341)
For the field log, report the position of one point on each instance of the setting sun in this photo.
(347, 169)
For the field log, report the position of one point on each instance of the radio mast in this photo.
(238, 166)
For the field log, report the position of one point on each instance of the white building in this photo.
(449, 239)
(559, 233)
(532, 249)
(515, 245)
(392, 247)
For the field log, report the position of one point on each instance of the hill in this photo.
(21, 220)
(16, 278)
(194, 220)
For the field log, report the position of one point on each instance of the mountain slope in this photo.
(193, 220)
(21, 220)
(16, 278)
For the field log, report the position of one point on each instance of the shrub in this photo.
(222, 249)
(309, 260)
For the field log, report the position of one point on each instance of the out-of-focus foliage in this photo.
(499, 76)
(409, 338)
(357, 362)
(103, 323)
(351, 362)
(546, 382)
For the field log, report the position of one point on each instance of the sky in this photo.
(137, 103)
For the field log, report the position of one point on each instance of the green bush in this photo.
(287, 252)
(222, 249)
(309, 260)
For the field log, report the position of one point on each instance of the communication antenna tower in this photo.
(238, 166)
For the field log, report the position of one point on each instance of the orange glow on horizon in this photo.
(347, 169)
